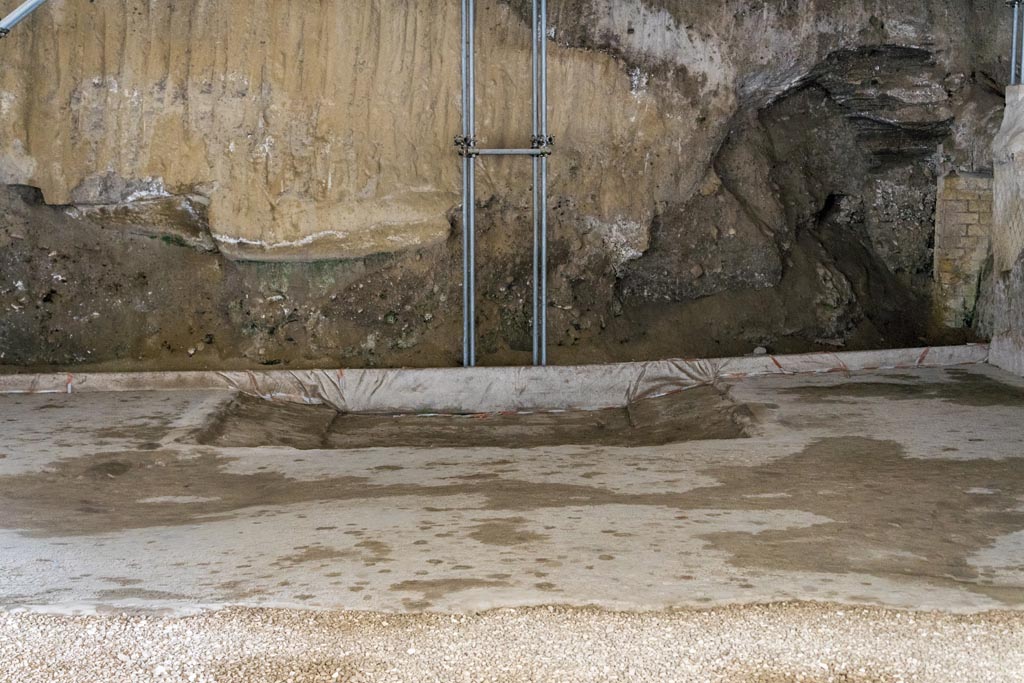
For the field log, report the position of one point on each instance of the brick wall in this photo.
(963, 234)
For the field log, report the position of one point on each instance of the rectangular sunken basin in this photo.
(703, 413)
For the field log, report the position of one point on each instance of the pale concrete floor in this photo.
(900, 489)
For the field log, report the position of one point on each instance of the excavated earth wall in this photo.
(199, 184)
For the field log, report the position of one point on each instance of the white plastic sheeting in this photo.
(490, 390)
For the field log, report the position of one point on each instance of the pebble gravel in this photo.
(779, 643)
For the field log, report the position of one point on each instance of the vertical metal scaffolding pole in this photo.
(466, 333)
(545, 140)
(540, 148)
(1016, 44)
(467, 145)
(534, 327)
(1018, 47)
(471, 105)
(1013, 49)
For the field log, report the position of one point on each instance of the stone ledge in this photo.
(339, 231)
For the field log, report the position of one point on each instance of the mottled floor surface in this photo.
(897, 489)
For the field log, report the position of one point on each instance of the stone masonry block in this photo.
(965, 218)
(974, 182)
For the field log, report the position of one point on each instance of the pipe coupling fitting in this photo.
(466, 146)
(544, 143)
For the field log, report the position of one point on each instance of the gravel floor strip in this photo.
(771, 644)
